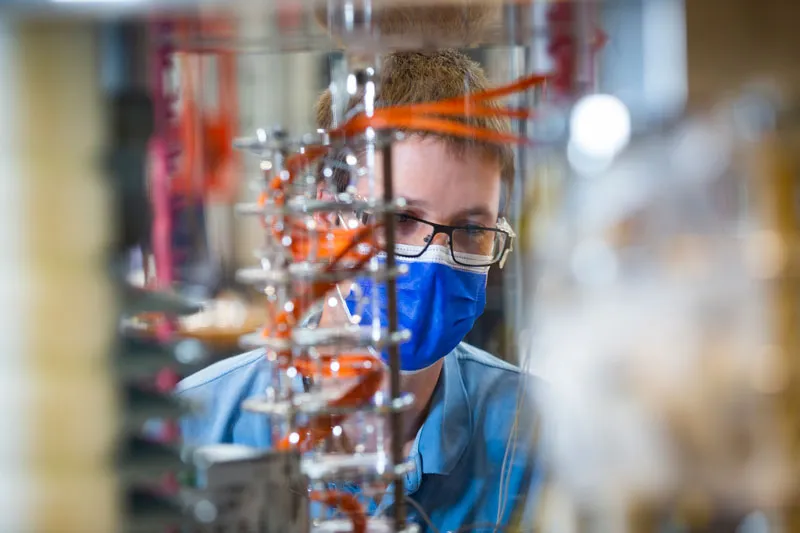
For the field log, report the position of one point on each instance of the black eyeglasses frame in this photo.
(445, 229)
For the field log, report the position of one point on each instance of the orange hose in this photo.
(385, 121)
(209, 159)
(319, 289)
(345, 243)
(522, 84)
(413, 117)
(476, 109)
(321, 428)
(315, 432)
(348, 367)
(345, 502)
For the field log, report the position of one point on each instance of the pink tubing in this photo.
(162, 217)
(162, 153)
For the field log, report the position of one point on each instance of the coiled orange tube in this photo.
(369, 368)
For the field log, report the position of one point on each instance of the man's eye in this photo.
(406, 222)
(474, 229)
(405, 225)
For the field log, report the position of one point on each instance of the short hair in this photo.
(419, 77)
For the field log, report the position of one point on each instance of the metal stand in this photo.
(396, 418)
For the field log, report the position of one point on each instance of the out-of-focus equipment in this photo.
(666, 322)
(246, 490)
(148, 459)
(192, 161)
(195, 95)
(126, 164)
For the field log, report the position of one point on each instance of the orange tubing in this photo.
(384, 121)
(345, 502)
(349, 367)
(319, 289)
(319, 429)
(465, 102)
(209, 160)
(413, 117)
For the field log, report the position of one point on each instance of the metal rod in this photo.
(395, 418)
(520, 63)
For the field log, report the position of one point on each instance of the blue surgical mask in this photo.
(438, 302)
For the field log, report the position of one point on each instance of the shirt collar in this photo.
(445, 434)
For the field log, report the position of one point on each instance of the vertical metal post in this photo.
(513, 278)
(396, 419)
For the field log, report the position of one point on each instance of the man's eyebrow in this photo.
(414, 202)
(475, 211)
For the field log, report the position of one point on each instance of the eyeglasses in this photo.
(471, 245)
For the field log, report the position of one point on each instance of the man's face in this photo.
(439, 186)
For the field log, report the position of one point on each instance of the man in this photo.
(469, 471)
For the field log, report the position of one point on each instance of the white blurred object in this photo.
(600, 127)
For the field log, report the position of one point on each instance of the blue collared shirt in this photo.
(458, 452)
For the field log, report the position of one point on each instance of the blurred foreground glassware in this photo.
(661, 323)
